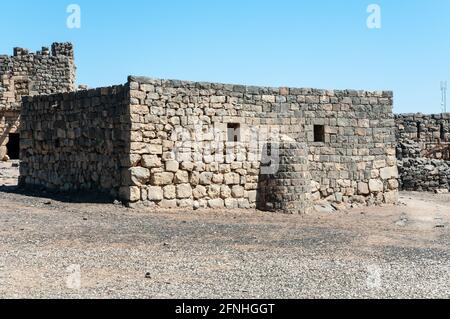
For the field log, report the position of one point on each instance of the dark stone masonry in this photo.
(174, 144)
(28, 74)
(170, 143)
(423, 151)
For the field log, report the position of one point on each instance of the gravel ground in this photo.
(384, 252)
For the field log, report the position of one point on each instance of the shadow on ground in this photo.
(87, 197)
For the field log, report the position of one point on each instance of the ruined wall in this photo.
(418, 133)
(423, 151)
(75, 141)
(423, 174)
(27, 73)
(355, 161)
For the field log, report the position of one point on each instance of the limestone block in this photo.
(172, 166)
(181, 177)
(187, 166)
(225, 191)
(217, 178)
(195, 178)
(168, 203)
(231, 203)
(252, 195)
(206, 178)
(216, 203)
(389, 172)
(376, 186)
(151, 161)
(185, 203)
(164, 178)
(213, 191)
(199, 192)
(130, 194)
(232, 179)
(363, 188)
(391, 197)
(393, 184)
(170, 192)
(243, 203)
(139, 175)
(237, 191)
(184, 191)
(155, 193)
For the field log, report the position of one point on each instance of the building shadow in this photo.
(79, 197)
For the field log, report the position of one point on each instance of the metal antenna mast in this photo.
(444, 95)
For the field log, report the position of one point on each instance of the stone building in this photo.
(27, 74)
(168, 143)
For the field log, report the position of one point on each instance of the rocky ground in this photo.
(79, 247)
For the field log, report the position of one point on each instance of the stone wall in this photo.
(418, 133)
(422, 174)
(28, 74)
(354, 162)
(423, 151)
(75, 141)
(169, 143)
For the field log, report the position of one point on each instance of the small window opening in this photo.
(442, 132)
(319, 133)
(234, 132)
(419, 130)
(13, 146)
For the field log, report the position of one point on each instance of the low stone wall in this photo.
(421, 174)
(75, 141)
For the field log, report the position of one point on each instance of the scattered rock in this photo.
(403, 221)
(326, 208)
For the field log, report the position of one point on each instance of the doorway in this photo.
(13, 146)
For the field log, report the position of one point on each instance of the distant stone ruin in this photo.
(28, 74)
(423, 151)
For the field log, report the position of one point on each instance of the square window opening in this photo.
(319, 133)
(234, 132)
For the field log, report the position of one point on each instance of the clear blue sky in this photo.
(299, 43)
